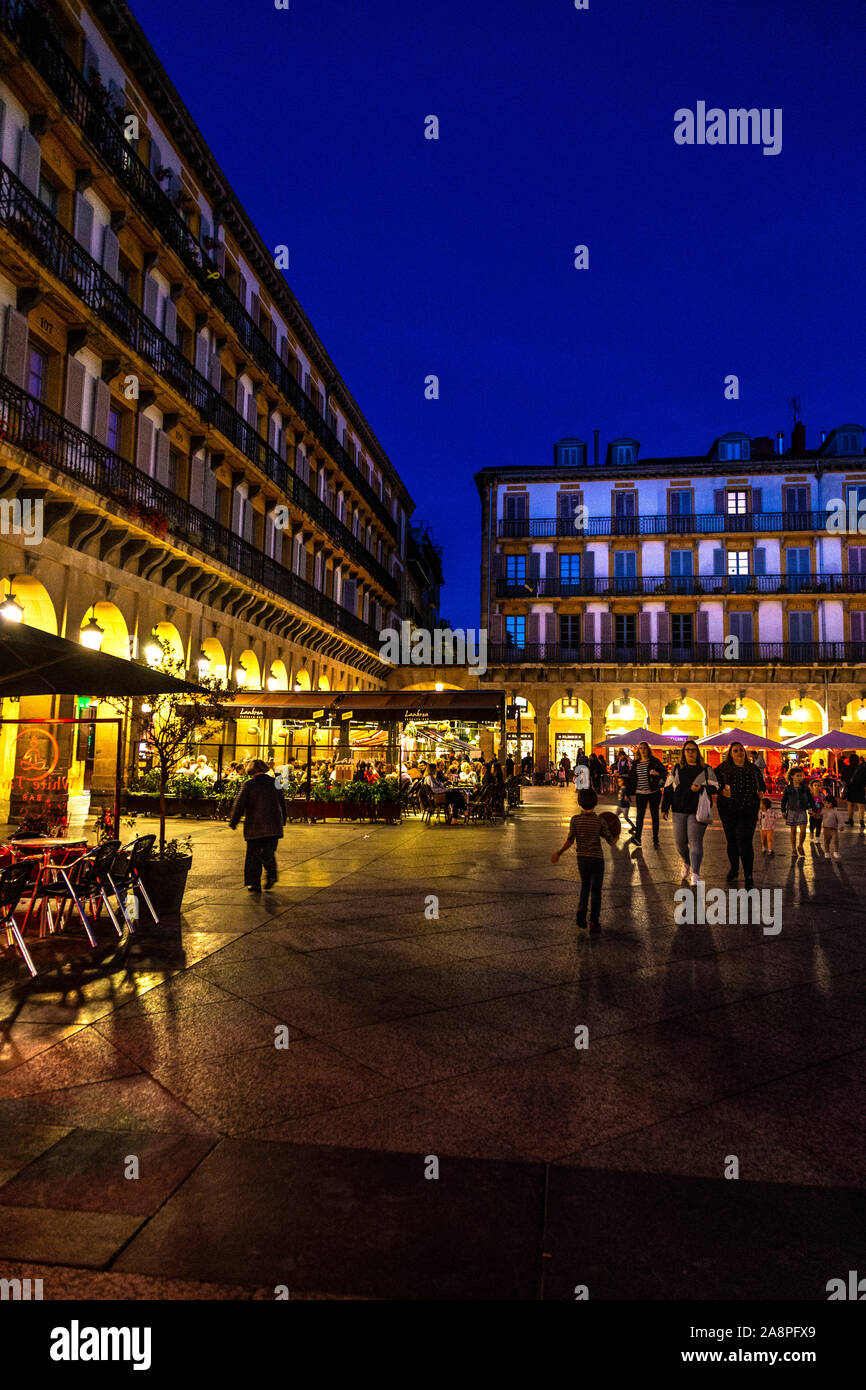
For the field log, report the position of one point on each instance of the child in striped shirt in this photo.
(586, 831)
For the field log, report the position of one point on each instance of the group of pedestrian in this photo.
(688, 790)
(595, 765)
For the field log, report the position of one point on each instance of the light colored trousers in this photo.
(689, 838)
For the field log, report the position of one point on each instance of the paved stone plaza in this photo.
(412, 1036)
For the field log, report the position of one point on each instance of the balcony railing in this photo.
(34, 39)
(131, 494)
(700, 524)
(32, 224)
(694, 654)
(647, 585)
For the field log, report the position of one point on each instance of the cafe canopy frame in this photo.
(725, 737)
(632, 737)
(371, 706)
(832, 742)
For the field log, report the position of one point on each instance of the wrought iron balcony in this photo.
(137, 498)
(32, 224)
(694, 654)
(23, 24)
(700, 524)
(704, 584)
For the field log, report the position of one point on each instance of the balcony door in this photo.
(797, 567)
(625, 513)
(742, 627)
(801, 636)
(516, 514)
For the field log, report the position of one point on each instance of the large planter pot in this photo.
(165, 881)
(324, 810)
(296, 810)
(355, 810)
(388, 811)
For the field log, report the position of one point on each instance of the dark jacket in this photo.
(262, 806)
(856, 785)
(747, 785)
(657, 774)
(678, 795)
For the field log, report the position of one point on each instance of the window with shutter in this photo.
(155, 157)
(150, 298)
(533, 627)
(169, 321)
(29, 160)
(757, 500)
(534, 566)
(663, 628)
(73, 397)
(163, 458)
(202, 354)
(16, 339)
(589, 564)
(144, 444)
(82, 228)
(101, 407)
(760, 560)
(702, 624)
(719, 501)
(858, 627)
(110, 253)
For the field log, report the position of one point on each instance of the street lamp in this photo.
(91, 635)
(861, 713)
(153, 652)
(439, 686)
(203, 663)
(11, 609)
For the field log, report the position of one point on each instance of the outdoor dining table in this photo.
(42, 849)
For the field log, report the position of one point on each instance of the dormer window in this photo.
(570, 453)
(850, 442)
(734, 449)
(624, 453)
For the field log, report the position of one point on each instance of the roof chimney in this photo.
(780, 441)
(595, 447)
(798, 439)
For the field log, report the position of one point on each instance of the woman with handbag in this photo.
(645, 783)
(742, 785)
(689, 793)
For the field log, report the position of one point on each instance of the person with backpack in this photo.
(687, 781)
(742, 785)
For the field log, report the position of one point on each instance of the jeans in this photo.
(738, 823)
(653, 800)
(689, 838)
(591, 872)
(260, 853)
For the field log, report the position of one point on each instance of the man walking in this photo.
(262, 806)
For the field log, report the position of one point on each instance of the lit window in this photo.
(36, 373)
(737, 503)
(515, 631)
(114, 430)
(515, 569)
(738, 562)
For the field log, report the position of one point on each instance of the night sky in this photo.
(556, 128)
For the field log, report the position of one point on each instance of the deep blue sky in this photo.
(455, 257)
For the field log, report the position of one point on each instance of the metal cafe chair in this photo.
(430, 804)
(86, 879)
(15, 880)
(136, 853)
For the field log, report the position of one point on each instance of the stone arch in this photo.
(34, 599)
(115, 633)
(302, 680)
(216, 655)
(247, 671)
(278, 676)
(684, 715)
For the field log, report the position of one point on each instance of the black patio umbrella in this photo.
(37, 663)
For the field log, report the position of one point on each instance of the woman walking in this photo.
(645, 781)
(742, 785)
(687, 779)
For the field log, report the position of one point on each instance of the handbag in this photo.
(704, 813)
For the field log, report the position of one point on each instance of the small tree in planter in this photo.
(172, 724)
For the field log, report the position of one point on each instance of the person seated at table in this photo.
(455, 801)
(413, 770)
(454, 766)
(203, 770)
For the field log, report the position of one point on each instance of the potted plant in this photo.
(386, 799)
(357, 799)
(171, 725)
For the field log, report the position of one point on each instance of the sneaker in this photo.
(732, 876)
(836, 854)
(581, 919)
(695, 879)
(269, 882)
(254, 888)
(595, 926)
(750, 883)
(685, 871)
(771, 852)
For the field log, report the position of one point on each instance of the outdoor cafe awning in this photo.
(38, 663)
(371, 706)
